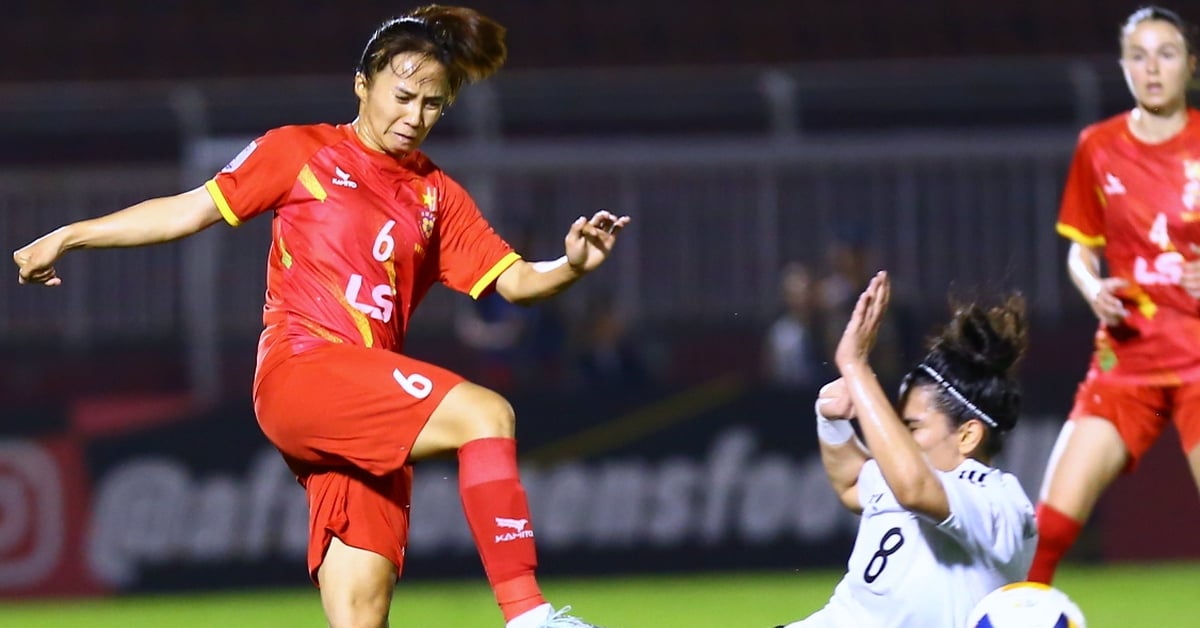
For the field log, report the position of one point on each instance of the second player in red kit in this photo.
(1131, 209)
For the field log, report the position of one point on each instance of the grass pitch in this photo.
(1127, 596)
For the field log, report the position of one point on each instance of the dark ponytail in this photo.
(971, 365)
(468, 44)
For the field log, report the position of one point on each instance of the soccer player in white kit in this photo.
(940, 527)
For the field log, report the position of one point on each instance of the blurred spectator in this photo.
(516, 345)
(792, 356)
(494, 328)
(608, 354)
(850, 267)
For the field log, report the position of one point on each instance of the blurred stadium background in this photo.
(674, 478)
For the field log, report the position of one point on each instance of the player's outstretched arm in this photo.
(588, 244)
(904, 468)
(149, 222)
(842, 453)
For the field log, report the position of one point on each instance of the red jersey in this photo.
(358, 237)
(1141, 202)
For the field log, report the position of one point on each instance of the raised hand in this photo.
(1191, 275)
(859, 336)
(589, 242)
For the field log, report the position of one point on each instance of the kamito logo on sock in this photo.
(518, 526)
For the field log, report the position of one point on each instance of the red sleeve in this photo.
(1081, 215)
(470, 254)
(261, 176)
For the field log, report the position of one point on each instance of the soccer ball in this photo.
(1026, 605)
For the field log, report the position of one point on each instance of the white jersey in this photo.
(907, 571)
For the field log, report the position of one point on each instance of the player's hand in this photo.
(1105, 303)
(1191, 275)
(859, 336)
(589, 242)
(35, 261)
(833, 402)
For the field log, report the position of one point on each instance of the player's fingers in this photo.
(1114, 283)
(860, 306)
(604, 221)
(885, 292)
(618, 225)
(1113, 312)
(576, 228)
(878, 295)
(1109, 304)
(603, 214)
(594, 235)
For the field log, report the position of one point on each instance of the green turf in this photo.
(1111, 597)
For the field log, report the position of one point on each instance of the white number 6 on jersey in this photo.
(416, 384)
(384, 242)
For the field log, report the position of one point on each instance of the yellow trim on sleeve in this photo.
(222, 205)
(1071, 233)
(491, 275)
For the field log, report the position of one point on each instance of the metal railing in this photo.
(715, 221)
(736, 183)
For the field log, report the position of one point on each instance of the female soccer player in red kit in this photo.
(364, 224)
(1132, 199)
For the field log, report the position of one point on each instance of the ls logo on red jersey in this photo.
(383, 295)
(1167, 267)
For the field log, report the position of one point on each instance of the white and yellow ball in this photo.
(1026, 605)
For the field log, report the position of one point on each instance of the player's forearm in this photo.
(529, 282)
(149, 222)
(900, 460)
(1083, 265)
(842, 462)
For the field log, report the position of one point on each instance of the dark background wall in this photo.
(62, 40)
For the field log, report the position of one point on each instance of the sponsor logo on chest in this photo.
(342, 178)
(1113, 185)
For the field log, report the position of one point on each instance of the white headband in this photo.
(937, 377)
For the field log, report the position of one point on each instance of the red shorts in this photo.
(1140, 413)
(345, 419)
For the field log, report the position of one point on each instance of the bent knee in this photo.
(470, 412)
(491, 416)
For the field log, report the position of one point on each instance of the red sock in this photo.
(498, 515)
(1056, 534)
